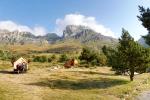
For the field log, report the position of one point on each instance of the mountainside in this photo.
(87, 36)
(84, 35)
(142, 42)
(50, 37)
(17, 37)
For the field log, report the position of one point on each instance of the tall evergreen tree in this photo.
(145, 19)
(130, 56)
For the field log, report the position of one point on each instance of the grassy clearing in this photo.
(42, 82)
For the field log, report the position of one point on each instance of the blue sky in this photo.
(110, 14)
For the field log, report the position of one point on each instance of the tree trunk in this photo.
(132, 73)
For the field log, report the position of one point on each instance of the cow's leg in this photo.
(25, 68)
(18, 71)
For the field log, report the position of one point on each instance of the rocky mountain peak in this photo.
(72, 30)
(84, 34)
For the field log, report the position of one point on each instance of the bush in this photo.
(92, 57)
(5, 55)
(63, 58)
(50, 59)
(147, 69)
(40, 59)
(53, 57)
(94, 62)
(102, 60)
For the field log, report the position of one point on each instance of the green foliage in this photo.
(145, 19)
(40, 59)
(86, 55)
(63, 58)
(5, 55)
(104, 49)
(92, 57)
(44, 58)
(53, 57)
(113, 59)
(94, 62)
(129, 56)
(49, 59)
(102, 60)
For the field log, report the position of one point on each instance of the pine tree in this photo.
(130, 56)
(145, 19)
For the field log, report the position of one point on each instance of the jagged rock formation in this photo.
(87, 36)
(82, 34)
(17, 37)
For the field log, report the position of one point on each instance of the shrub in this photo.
(40, 59)
(53, 57)
(94, 62)
(50, 59)
(63, 58)
(5, 55)
(92, 57)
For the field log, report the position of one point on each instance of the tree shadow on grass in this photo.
(101, 83)
(92, 73)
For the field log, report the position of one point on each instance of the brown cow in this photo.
(70, 63)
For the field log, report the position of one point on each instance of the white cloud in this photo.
(38, 30)
(12, 26)
(78, 19)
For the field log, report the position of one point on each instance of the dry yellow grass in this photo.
(42, 82)
(68, 46)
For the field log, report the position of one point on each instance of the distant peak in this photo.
(72, 30)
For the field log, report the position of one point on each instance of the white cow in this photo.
(20, 65)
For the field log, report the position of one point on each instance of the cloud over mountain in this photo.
(12, 26)
(78, 19)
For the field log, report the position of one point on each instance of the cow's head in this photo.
(29, 61)
(13, 59)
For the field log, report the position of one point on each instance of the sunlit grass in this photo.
(43, 82)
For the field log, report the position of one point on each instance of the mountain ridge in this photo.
(83, 34)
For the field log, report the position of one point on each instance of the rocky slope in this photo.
(82, 34)
(87, 36)
(17, 37)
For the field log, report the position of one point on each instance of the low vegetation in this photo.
(92, 57)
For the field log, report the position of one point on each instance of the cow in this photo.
(20, 65)
(70, 63)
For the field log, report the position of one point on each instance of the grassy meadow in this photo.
(44, 82)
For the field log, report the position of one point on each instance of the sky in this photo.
(107, 17)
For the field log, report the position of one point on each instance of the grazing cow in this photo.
(21, 65)
(70, 63)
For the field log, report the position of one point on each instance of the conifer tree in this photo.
(145, 19)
